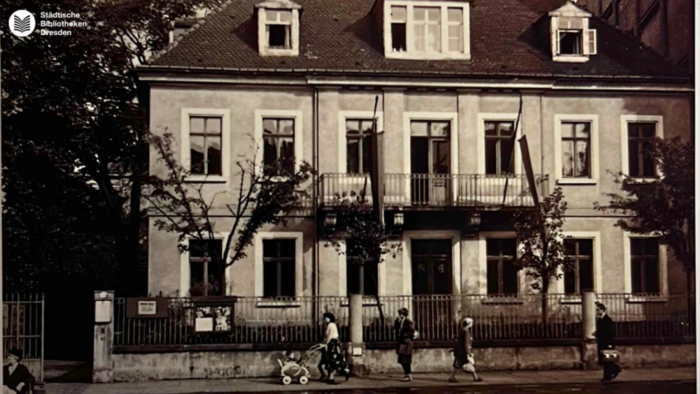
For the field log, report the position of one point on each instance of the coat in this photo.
(605, 335)
(404, 336)
(463, 348)
(20, 375)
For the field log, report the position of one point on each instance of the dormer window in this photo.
(434, 31)
(278, 28)
(572, 40)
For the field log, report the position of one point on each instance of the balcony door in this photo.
(432, 284)
(430, 162)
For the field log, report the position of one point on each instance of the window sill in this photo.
(643, 180)
(577, 181)
(427, 56)
(365, 302)
(501, 300)
(278, 304)
(570, 299)
(279, 52)
(205, 179)
(571, 58)
(639, 299)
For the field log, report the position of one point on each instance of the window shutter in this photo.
(592, 42)
(554, 31)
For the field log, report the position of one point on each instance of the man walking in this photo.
(605, 336)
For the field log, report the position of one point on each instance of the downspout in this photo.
(542, 140)
(314, 146)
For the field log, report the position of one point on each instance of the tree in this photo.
(75, 102)
(359, 235)
(664, 206)
(542, 255)
(263, 196)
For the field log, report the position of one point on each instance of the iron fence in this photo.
(23, 329)
(299, 320)
(436, 190)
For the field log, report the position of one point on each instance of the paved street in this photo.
(651, 381)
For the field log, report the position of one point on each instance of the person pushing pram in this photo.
(332, 358)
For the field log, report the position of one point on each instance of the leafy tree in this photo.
(542, 253)
(359, 235)
(263, 196)
(74, 100)
(663, 206)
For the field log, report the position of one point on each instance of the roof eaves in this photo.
(187, 32)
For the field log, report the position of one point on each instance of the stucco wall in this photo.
(217, 365)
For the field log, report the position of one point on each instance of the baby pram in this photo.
(298, 370)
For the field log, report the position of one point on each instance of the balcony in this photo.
(425, 191)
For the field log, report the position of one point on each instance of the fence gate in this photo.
(23, 328)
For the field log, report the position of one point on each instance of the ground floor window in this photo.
(645, 265)
(502, 274)
(279, 268)
(206, 268)
(580, 277)
(362, 278)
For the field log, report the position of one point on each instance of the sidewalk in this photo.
(267, 385)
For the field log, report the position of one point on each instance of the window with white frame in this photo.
(572, 39)
(580, 275)
(205, 145)
(278, 28)
(279, 268)
(206, 267)
(644, 260)
(278, 145)
(640, 148)
(358, 145)
(576, 149)
(498, 139)
(426, 30)
(501, 273)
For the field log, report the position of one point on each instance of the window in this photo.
(570, 42)
(645, 265)
(205, 145)
(576, 149)
(580, 277)
(499, 147)
(206, 268)
(278, 141)
(640, 140)
(455, 30)
(361, 278)
(278, 24)
(502, 274)
(398, 29)
(359, 145)
(279, 268)
(427, 29)
(430, 147)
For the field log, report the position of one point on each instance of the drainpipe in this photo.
(315, 164)
(542, 139)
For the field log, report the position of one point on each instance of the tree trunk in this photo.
(545, 289)
(379, 304)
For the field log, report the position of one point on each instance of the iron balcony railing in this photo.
(436, 190)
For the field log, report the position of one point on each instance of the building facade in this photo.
(446, 81)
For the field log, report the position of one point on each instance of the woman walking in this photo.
(464, 358)
(332, 359)
(404, 338)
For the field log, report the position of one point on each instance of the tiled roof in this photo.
(342, 35)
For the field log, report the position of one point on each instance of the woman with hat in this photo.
(405, 333)
(464, 359)
(16, 377)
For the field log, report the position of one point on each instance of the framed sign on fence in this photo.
(142, 307)
(214, 314)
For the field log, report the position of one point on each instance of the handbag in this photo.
(610, 356)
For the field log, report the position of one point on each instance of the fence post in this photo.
(102, 368)
(356, 348)
(589, 350)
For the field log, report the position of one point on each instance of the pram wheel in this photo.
(304, 380)
(287, 380)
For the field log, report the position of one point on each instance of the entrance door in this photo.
(430, 163)
(432, 287)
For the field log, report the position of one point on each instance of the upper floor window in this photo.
(437, 31)
(499, 147)
(572, 40)
(640, 141)
(576, 149)
(205, 145)
(359, 151)
(278, 140)
(278, 28)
